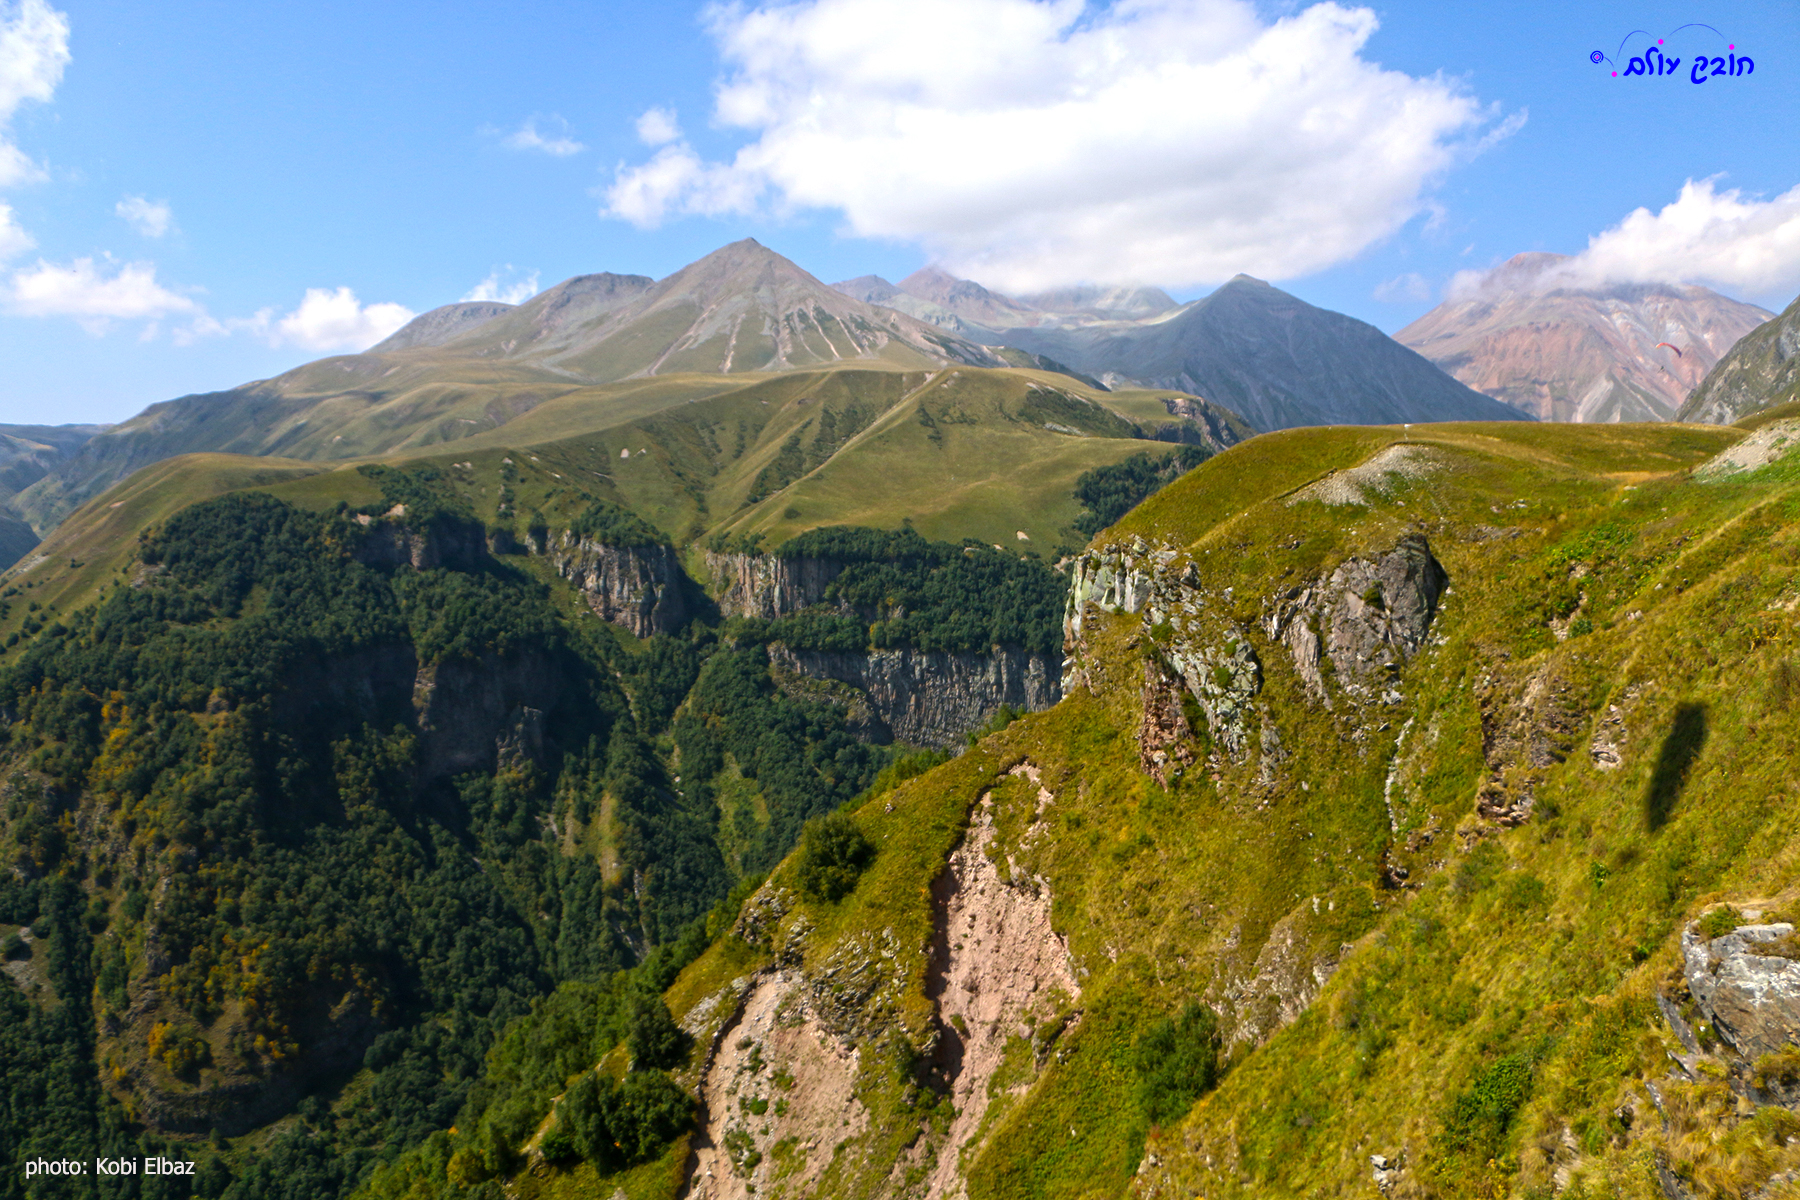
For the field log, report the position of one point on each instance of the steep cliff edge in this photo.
(932, 697)
(640, 587)
(885, 612)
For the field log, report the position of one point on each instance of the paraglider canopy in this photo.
(1672, 346)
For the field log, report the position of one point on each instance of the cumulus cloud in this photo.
(34, 49)
(658, 127)
(1035, 143)
(1706, 236)
(497, 287)
(91, 294)
(151, 218)
(554, 139)
(1402, 289)
(327, 320)
(14, 241)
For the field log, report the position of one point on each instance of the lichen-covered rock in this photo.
(1368, 618)
(642, 588)
(1752, 999)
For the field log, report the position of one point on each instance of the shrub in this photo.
(1720, 921)
(1177, 1061)
(833, 855)
(652, 1036)
(1480, 1117)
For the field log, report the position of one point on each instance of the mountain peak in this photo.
(1533, 335)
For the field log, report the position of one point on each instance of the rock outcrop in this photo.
(1000, 976)
(1760, 371)
(642, 588)
(1747, 982)
(1368, 618)
(769, 585)
(391, 542)
(471, 710)
(933, 697)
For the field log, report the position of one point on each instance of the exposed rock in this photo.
(933, 697)
(1752, 999)
(390, 542)
(1195, 638)
(1762, 447)
(999, 974)
(1289, 971)
(769, 585)
(467, 708)
(1369, 617)
(1165, 741)
(1607, 747)
(642, 588)
(1761, 370)
(1527, 726)
(776, 1097)
(1353, 484)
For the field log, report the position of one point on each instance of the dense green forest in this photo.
(224, 815)
(897, 589)
(1108, 493)
(230, 810)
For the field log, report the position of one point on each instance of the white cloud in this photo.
(327, 320)
(658, 127)
(495, 287)
(85, 291)
(1403, 289)
(34, 49)
(151, 218)
(555, 141)
(1034, 143)
(14, 241)
(1705, 236)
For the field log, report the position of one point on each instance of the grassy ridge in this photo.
(1487, 1018)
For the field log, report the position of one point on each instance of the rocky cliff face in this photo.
(932, 698)
(642, 588)
(769, 585)
(1761, 371)
(472, 711)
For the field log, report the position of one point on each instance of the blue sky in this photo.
(195, 169)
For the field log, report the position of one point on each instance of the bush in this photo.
(1720, 921)
(833, 855)
(1481, 1116)
(1177, 1063)
(652, 1036)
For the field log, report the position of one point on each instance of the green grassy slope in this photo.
(770, 454)
(1489, 1006)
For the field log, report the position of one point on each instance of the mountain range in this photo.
(618, 347)
(1561, 353)
(1269, 356)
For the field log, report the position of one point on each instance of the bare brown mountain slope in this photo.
(1580, 354)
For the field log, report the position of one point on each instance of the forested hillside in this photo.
(311, 803)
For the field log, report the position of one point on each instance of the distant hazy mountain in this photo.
(1274, 359)
(444, 324)
(1115, 303)
(469, 367)
(27, 454)
(1580, 354)
(1761, 371)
